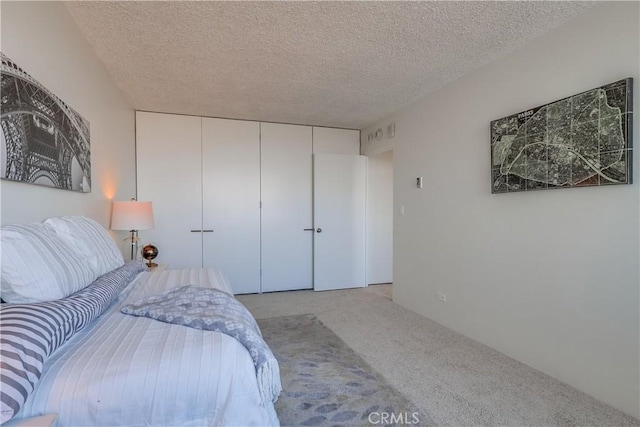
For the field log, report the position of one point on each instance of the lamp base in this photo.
(134, 244)
(151, 264)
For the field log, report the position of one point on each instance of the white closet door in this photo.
(339, 190)
(169, 175)
(286, 207)
(231, 201)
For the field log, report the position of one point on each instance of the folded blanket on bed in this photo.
(215, 310)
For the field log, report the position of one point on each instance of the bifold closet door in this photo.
(287, 227)
(168, 150)
(231, 201)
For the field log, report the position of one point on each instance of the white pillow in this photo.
(87, 237)
(39, 266)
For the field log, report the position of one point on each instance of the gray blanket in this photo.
(215, 310)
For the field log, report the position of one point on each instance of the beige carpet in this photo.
(456, 380)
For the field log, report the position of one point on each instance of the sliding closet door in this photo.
(286, 207)
(231, 201)
(169, 175)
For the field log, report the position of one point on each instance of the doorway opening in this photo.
(380, 219)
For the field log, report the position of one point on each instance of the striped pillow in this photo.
(87, 236)
(30, 333)
(39, 266)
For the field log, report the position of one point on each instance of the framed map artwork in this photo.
(579, 141)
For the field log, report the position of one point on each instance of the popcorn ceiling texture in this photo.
(341, 64)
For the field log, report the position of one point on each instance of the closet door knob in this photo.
(196, 231)
(308, 229)
(207, 231)
(319, 230)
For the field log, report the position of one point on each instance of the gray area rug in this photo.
(326, 383)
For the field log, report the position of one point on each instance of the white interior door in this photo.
(339, 191)
(169, 175)
(286, 152)
(231, 201)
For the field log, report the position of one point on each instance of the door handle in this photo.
(207, 231)
(319, 230)
(308, 229)
(196, 231)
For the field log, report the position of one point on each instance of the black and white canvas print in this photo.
(44, 141)
(582, 140)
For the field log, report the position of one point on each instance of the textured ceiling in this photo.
(342, 64)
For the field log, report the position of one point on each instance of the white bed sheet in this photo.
(134, 371)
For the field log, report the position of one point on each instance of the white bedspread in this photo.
(135, 371)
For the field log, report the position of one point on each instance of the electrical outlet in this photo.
(442, 297)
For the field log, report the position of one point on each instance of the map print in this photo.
(582, 140)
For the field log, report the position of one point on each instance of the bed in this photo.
(125, 370)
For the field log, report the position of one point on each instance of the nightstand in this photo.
(159, 267)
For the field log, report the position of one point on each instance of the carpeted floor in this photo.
(454, 380)
(326, 383)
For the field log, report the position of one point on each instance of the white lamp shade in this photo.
(132, 215)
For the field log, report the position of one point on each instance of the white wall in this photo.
(42, 38)
(336, 141)
(380, 218)
(550, 278)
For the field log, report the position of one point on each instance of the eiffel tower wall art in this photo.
(44, 140)
(580, 141)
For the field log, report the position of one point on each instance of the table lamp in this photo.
(133, 216)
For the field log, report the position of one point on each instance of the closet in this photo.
(231, 200)
(238, 195)
(169, 174)
(287, 202)
(203, 177)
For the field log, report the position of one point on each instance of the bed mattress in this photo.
(134, 371)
